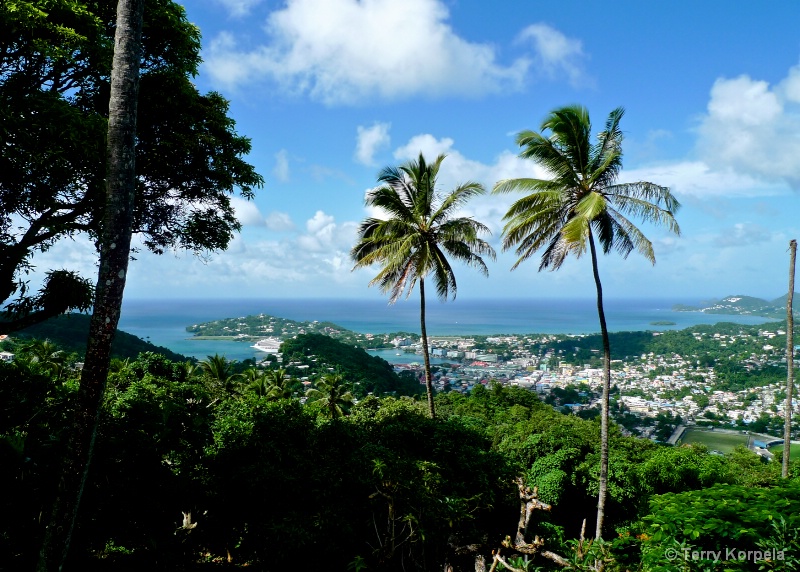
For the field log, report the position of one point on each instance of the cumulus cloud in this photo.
(751, 128)
(247, 212)
(324, 234)
(369, 140)
(312, 49)
(313, 259)
(702, 179)
(281, 169)
(555, 52)
(238, 8)
(742, 234)
(279, 222)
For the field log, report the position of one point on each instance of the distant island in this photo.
(742, 305)
(662, 323)
(253, 328)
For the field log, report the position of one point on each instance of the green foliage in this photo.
(683, 468)
(331, 395)
(202, 474)
(55, 58)
(547, 473)
(717, 519)
(366, 373)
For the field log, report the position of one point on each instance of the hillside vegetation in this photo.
(70, 332)
(194, 467)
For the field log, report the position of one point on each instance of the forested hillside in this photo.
(369, 374)
(197, 467)
(70, 331)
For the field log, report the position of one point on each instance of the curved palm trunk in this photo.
(425, 356)
(603, 488)
(787, 423)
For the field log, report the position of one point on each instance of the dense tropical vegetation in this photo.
(188, 471)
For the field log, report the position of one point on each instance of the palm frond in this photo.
(455, 200)
(634, 239)
(648, 201)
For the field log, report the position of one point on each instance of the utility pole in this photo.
(788, 410)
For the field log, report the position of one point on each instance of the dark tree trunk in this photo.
(114, 254)
(425, 355)
(788, 410)
(603, 487)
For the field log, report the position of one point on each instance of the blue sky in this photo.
(330, 91)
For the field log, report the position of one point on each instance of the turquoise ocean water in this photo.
(163, 322)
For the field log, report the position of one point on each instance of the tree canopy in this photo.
(55, 61)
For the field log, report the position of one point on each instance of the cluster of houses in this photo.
(688, 389)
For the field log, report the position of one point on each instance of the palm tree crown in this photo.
(332, 394)
(583, 197)
(220, 371)
(420, 232)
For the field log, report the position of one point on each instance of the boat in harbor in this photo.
(269, 345)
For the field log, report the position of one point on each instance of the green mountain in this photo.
(742, 305)
(70, 332)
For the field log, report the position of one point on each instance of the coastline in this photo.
(164, 322)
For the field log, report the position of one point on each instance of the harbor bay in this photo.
(164, 322)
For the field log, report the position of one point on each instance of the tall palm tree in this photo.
(332, 395)
(582, 203)
(419, 234)
(114, 244)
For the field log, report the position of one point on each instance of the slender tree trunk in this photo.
(426, 358)
(789, 410)
(603, 488)
(115, 244)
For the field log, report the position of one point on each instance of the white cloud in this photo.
(458, 169)
(555, 52)
(247, 212)
(700, 179)
(239, 8)
(279, 222)
(369, 140)
(753, 130)
(77, 254)
(314, 260)
(319, 222)
(281, 169)
(323, 234)
(742, 234)
(313, 49)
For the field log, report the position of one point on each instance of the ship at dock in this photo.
(269, 345)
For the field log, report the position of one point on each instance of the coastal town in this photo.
(647, 386)
(726, 375)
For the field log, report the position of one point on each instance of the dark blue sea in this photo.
(163, 322)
